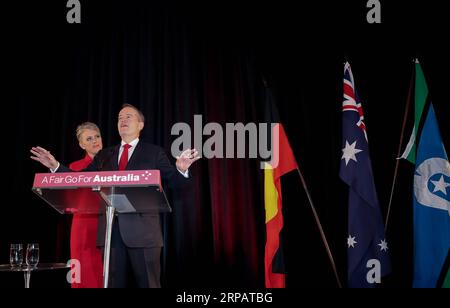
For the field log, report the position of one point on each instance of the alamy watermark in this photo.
(74, 274)
(374, 273)
(374, 14)
(73, 16)
(235, 140)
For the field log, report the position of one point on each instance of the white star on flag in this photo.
(351, 241)
(440, 185)
(383, 245)
(349, 152)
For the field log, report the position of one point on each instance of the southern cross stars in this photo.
(349, 152)
(351, 241)
(383, 245)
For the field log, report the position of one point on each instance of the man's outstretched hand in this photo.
(44, 157)
(186, 159)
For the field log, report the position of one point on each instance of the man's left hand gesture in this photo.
(186, 159)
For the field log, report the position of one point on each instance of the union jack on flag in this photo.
(351, 103)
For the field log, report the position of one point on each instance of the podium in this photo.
(124, 192)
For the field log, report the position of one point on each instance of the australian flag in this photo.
(368, 256)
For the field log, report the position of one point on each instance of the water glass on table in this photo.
(32, 256)
(16, 255)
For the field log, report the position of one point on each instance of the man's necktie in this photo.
(124, 158)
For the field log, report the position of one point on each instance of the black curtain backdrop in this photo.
(173, 60)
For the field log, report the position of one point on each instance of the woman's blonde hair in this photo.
(86, 125)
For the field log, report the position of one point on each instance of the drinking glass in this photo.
(16, 255)
(32, 257)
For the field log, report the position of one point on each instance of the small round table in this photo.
(27, 270)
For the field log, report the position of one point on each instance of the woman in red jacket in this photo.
(84, 226)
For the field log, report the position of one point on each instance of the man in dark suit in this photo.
(136, 238)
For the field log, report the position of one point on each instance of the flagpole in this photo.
(319, 225)
(399, 152)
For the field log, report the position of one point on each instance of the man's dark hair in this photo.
(141, 115)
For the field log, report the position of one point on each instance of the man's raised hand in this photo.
(44, 157)
(186, 159)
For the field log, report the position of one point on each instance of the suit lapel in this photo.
(115, 158)
(135, 157)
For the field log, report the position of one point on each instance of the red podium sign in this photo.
(99, 179)
(134, 191)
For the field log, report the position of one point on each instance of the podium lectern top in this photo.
(134, 191)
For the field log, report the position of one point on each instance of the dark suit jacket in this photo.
(137, 230)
